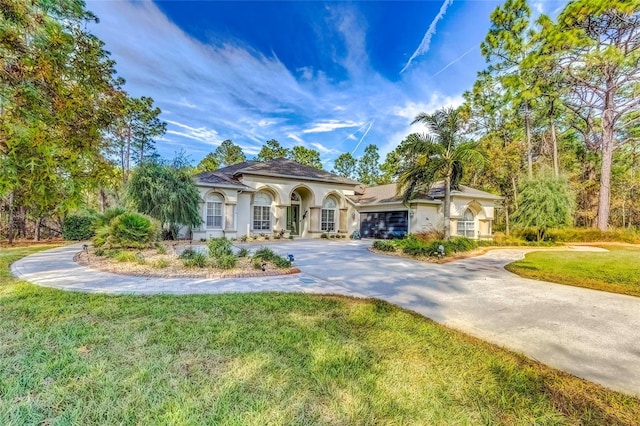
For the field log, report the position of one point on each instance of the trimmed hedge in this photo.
(78, 227)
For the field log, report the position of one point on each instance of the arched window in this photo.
(262, 212)
(328, 219)
(214, 211)
(467, 225)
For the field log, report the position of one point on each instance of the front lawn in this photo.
(617, 270)
(256, 359)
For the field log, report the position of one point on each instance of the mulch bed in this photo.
(176, 268)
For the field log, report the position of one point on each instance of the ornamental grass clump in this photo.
(197, 260)
(219, 247)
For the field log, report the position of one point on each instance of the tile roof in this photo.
(387, 194)
(279, 167)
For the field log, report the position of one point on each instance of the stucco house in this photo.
(282, 196)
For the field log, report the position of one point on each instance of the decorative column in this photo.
(342, 220)
(314, 220)
(229, 215)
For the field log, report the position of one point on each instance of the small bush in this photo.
(197, 260)
(243, 252)
(111, 254)
(281, 262)
(78, 227)
(161, 264)
(324, 235)
(105, 218)
(265, 253)
(161, 249)
(99, 252)
(244, 238)
(227, 261)
(219, 247)
(384, 246)
(127, 230)
(257, 262)
(187, 253)
(125, 256)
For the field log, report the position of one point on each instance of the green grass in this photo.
(258, 359)
(616, 271)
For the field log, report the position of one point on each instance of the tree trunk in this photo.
(515, 191)
(10, 236)
(608, 123)
(38, 225)
(103, 200)
(554, 141)
(447, 207)
(527, 126)
(506, 219)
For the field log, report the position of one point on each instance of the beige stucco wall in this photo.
(238, 214)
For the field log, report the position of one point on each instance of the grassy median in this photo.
(256, 359)
(616, 271)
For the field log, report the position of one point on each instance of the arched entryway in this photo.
(298, 211)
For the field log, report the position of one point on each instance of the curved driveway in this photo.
(592, 334)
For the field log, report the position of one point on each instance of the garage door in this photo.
(394, 224)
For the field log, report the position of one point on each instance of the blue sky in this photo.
(332, 76)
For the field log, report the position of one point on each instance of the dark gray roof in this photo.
(387, 194)
(279, 167)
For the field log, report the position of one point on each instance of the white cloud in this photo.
(295, 138)
(330, 125)
(426, 40)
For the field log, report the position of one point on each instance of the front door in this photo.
(293, 219)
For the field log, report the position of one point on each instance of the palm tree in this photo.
(441, 154)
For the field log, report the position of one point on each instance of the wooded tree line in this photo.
(562, 95)
(68, 129)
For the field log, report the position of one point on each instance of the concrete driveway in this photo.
(592, 334)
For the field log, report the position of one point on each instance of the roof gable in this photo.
(387, 194)
(279, 167)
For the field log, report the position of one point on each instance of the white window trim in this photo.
(210, 207)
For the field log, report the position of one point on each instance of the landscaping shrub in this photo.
(227, 261)
(99, 252)
(257, 262)
(187, 253)
(243, 252)
(324, 236)
(125, 256)
(265, 253)
(281, 262)
(78, 227)
(127, 230)
(161, 263)
(219, 247)
(197, 260)
(133, 230)
(413, 246)
(105, 218)
(111, 254)
(384, 246)
(589, 235)
(161, 248)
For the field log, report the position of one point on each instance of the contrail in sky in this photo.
(455, 60)
(426, 40)
(362, 138)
